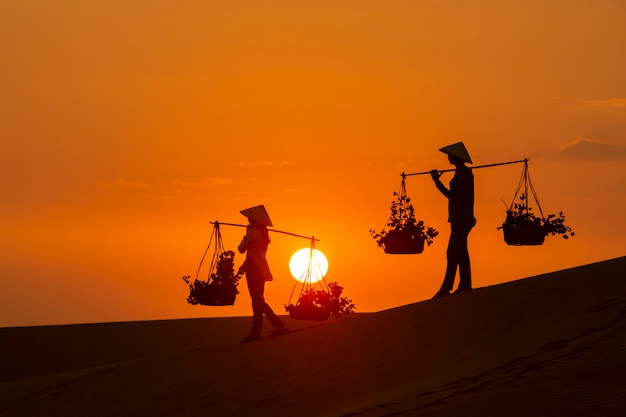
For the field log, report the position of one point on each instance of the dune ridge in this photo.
(554, 344)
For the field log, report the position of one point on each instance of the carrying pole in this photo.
(269, 230)
(474, 167)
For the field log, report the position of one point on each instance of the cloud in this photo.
(611, 103)
(288, 191)
(263, 164)
(590, 149)
(124, 183)
(206, 182)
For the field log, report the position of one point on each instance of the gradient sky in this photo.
(127, 127)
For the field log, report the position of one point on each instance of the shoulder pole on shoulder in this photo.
(473, 167)
(269, 230)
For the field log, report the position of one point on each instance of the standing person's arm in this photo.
(435, 175)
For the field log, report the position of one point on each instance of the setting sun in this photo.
(308, 265)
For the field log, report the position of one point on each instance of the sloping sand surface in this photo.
(551, 345)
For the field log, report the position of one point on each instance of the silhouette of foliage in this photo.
(403, 226)
(221, 286)
(521, 215)
(319, 304)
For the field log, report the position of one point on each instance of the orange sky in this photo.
(127, 127)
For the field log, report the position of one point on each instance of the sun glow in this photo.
(308, 265)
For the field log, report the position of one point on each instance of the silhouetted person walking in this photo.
(461, 217)
(254, 244)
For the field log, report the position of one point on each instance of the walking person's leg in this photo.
(255, 288)
(279, 326)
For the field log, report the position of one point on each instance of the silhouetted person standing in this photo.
(461, 217)
(254, 244)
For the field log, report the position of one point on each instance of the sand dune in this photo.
(550, 345)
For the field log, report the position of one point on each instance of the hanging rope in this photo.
(219, 249)
(403, 203)
(306, 278)
(528, 185)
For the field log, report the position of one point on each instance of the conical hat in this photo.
(258, 214)
(459, 150)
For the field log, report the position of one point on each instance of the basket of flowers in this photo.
(320, 304)
(220, 287)
(522, 227)
(403, 233)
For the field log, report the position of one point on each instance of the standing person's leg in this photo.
(465, 270)
(448, 279)
(451, 265)
(455, 247)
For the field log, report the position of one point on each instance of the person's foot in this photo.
(251, 338)
(441, 293)
(460, 290)
(279, 330)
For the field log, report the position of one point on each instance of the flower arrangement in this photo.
(403, 233)
(523, 227)
(316, 304)
(221, 286)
